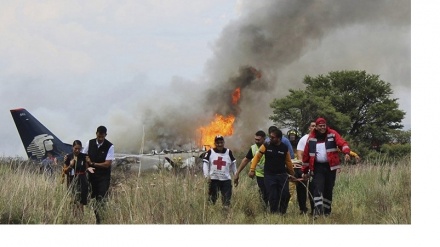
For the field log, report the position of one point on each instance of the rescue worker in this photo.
(284, 140)
(302, 197)
(321, 161)
(277, 166)
(218, 164)
(293, 137)
(299, 185)
(260, 137)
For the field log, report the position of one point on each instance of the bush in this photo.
(396, 150)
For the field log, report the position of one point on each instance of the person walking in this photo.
(284, 140)
(218, 164)
(260, 137)
(293, 138)
(101, 154)
(48, 164)
(76, 164)
(303, 188)
(321, 159)
(66, 176)
(277, 166)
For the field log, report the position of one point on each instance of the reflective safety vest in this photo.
(332, 141)
(259, 170)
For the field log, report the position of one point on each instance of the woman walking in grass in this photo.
(76, 164)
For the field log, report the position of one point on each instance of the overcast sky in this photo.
(78, 65)
(139, 64)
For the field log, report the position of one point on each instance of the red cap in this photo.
(320, 121)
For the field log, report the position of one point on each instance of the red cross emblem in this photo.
(219, 163)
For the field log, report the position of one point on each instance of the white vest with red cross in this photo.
(220, 165)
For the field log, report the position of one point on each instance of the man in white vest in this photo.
(218, 165)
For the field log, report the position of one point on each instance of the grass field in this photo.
(364, 194)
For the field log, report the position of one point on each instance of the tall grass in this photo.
(363, 194)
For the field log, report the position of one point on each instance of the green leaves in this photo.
(355, 103)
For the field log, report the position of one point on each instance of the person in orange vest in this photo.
(277, 168)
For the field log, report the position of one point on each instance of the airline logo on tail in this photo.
(36, 138)
(40, 145)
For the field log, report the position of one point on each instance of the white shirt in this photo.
(321, 153)
(302, 143)
(110, 153)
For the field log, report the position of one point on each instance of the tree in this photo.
(400, 136)
(300, 107)
(354, 103)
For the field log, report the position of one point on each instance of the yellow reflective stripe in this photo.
(259, 170)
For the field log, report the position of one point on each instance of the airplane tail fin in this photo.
(36, 138)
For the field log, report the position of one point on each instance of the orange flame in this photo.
(221, 125)
(236, 96)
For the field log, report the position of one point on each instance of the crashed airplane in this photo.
(38, 140)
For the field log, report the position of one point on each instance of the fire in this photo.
(224, 125)
(236, 96)
(221, 125)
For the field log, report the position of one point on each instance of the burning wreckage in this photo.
(222, 124)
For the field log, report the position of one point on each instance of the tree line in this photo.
(356, 104)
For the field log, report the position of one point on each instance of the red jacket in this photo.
(332, 141)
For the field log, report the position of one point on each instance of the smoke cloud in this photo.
(279, 38)
(74, 66)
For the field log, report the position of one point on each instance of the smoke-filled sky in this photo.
(161, 69)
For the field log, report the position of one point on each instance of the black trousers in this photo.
(81, 188)
(323, 183)
(225, 188)
(303, 192)
(263, 192)
(277, 187)
(100, 185)
(69, 179)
